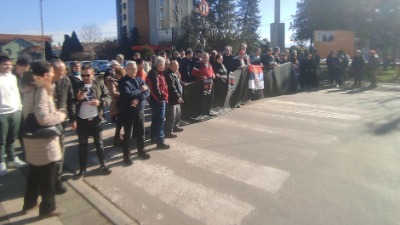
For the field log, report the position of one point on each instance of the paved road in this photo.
(324, 157)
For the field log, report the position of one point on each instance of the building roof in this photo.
(5, 38)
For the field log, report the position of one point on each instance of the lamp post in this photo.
(41, 27)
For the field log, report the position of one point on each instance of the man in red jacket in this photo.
(203, 69)
(158, 100)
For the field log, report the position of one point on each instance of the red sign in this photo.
(204, 8)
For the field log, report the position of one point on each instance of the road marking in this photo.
(299, 135)
(193, 199)
(327, 107)
(259, 176)
(283, 116)
(267, 106)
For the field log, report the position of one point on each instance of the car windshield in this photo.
(103, 62)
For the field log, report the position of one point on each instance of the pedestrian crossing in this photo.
(183, 178)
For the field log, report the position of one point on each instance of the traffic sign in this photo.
(204, 8)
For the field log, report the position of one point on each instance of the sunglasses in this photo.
(85, 75)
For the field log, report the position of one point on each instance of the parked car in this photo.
(100, 66)
(68, 64)
(83, 63)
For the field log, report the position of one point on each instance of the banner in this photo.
(256, 77)
(234, 90)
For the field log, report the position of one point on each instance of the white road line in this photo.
(299, 135)
(259, 176)
(280, 115)
(195, 200)
(304, 111)
(327, 107)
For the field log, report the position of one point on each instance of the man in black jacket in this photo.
(133, 98)
(173, 110)
(64, 100)
(90, 99)
(186, 67)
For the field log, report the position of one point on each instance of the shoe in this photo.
(162, 146)
(3, 169)
(128, 161)
(56, 212)
(178, 129)
(143, 155)
(105, 169)
(80, 175)
(30, 209)
(171, 136)
(17, 163)
(61, 189)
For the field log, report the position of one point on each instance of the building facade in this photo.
(151, 17)
(17, 46)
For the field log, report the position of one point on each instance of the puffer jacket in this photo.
(44, 150)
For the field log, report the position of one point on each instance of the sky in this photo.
(64, 16)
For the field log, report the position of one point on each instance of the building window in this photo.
(161, 13)
(7, 52)
(124, 6)
(124, 17)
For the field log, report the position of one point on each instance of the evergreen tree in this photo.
(134, 38)
(66, 49)
(75, 43)
(248, 21)
(125, 45)
(48, 51)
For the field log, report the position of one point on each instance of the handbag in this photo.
(32, 129)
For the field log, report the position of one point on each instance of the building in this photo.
(22, 46)
(157, 21)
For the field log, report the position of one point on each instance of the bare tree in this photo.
(90, 33)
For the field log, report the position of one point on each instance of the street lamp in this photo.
(41, 27)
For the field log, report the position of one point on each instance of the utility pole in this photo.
(41, 27)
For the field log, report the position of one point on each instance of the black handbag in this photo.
(32, 129)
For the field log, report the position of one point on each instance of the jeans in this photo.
(157, 121)
(41, 181)
(86, 128)
(9, 128)
(172, 117)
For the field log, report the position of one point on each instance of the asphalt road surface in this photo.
(325, 157)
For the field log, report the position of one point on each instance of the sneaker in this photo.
(143, 155)
(162, 146)
(178, 129)
(3, 169)
(171, 136)
(80, 175)
(17, 163)
(105, 169)
(56, 212)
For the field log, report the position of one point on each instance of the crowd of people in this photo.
(54, 93)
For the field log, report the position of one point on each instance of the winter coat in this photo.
(44, 150)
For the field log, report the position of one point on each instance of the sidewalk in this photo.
(83, 204)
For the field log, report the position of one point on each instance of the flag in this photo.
(256, 77)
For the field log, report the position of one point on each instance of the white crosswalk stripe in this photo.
(305, 136)
(301, 110)
(263, 177)
(195, 200)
